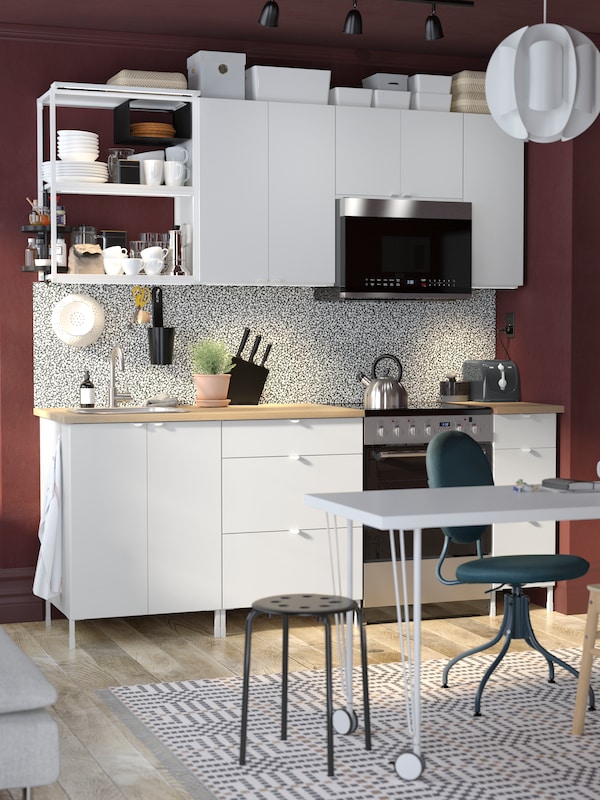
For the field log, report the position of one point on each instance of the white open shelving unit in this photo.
(109, 97)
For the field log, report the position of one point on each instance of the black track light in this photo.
(433, 26)
(353, 23)
(269, 16)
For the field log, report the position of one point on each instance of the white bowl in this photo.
(153, 266)
(131, 266)
(113, 266)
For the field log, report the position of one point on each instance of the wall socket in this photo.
(509, 324)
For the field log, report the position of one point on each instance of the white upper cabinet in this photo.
(232, 215)
(431, 155)
(367, 152)
(301, 194)
(390, 153)
(494, 184)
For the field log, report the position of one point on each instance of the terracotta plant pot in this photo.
(212, 387)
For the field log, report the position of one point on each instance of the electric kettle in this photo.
(386, 392)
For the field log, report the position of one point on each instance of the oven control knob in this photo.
(380, 431)
(412, 430)
(396, 430)
(428, 430)
(458, 426)
(474, 429)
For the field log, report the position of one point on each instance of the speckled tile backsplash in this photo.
(318, 345)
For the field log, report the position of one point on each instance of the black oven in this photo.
(395, 446)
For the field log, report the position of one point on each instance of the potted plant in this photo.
(211, 367)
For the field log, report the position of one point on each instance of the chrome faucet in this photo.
(114, 396)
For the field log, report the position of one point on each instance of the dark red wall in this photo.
(555, 344)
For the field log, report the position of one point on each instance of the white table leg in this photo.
(220, 623)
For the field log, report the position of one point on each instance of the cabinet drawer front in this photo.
(267, 494)
(523, 538)
(283, 437)
(524, 430)
(528, 464)
(261, 564)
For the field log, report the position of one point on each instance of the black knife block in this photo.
(247, 382)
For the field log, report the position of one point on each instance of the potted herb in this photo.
(211, 366)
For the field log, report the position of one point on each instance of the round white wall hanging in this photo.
(543, 83)
(78, 320)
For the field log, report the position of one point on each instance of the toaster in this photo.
(492, 380)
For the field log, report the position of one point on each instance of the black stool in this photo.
(306, 605)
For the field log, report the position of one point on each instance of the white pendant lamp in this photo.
(543, 83)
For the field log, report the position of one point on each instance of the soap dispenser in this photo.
(87, 393)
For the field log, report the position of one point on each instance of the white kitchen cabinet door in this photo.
(290, 437)
(301, 194)
(105, 563)
(524, 448)
(367, 156)
(267, 494)
(184, 517)
(494, 184)
(232, 213)
(262, 564)
(432, 155)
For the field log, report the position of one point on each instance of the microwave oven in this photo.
(400, 248)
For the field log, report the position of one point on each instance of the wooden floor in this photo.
(101, 760)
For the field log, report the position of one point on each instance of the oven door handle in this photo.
(387, 454)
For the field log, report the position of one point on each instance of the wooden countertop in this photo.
(514, 408)
(194, 414)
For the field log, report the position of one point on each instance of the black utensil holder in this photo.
(161, 342)
(247, 382)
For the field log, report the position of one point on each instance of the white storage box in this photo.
(288, 84)
(350, 96)
(217, 74)
(430, 101)
(438, 84)
(384, 98)
(386, 80)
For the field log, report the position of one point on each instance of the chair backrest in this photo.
(455, 459)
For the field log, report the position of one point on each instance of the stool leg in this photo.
(365, 677)
(587, 656)
(284, 676)
(246, 684)
(329, 690)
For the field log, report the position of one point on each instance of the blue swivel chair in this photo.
(455, 459)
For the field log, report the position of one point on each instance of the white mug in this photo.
(115, 252)
(153, 172)
(177, 154)
(131, 266)
(176, 173)
(149, 253)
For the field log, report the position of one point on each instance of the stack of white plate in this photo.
(76, 172)
(77, 145)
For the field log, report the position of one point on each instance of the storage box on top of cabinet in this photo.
(288, 84)
(217, 74)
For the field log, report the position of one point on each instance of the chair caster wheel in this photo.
(409, 766)
(344, 722)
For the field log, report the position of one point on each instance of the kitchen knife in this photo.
(243, 342)
(157, 307)
(254, 349)
(266, 354)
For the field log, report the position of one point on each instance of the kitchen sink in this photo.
(132, 410)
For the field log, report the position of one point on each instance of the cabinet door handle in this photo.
(295, 531)
(294, 457)
(526, 449)
(158, 424)
(137, 424)
(295, 421)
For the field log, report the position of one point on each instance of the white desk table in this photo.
(416, 509)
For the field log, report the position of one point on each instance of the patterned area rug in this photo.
(521, 746)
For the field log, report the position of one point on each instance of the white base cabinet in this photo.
(272, 542)
(198, 516)
(524, 449)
